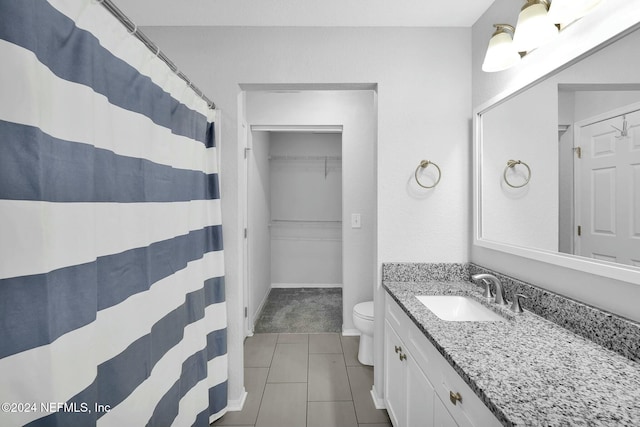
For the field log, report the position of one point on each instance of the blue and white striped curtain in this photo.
(112, 301)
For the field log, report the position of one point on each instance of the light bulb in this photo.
(534, 27)
(501, 54)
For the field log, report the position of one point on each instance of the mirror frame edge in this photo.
(615, 23)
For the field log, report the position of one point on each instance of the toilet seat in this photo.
(364, 310)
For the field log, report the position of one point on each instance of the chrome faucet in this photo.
(490, 278)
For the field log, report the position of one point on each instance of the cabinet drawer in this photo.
(424, 353)
(469, 410)
(394, 314)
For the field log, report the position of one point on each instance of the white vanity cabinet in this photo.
(420, 385)
(408, 392)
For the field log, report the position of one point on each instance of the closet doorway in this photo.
(294, 229)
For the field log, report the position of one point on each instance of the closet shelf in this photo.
(306, 223)
(325, 159)
(307, 239)
(307, 158)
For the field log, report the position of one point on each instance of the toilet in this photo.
(363, 320)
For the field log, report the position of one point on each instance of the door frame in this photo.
(246, 144)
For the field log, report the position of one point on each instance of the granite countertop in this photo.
(527, 370)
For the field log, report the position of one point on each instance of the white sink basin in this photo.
(458, 308)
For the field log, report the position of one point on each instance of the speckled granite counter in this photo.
(527, 370)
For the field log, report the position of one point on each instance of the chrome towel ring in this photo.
(512, 164)
(423, 164)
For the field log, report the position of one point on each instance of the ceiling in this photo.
(305, 13)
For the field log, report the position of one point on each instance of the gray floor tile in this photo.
(289, 364)
(350, 349)
(331, 414)
(328, 381)
(361, 381)
(258, 350)
(293, 339)
(283, 405)
(325, 343)
(255, 380)
(376, 425)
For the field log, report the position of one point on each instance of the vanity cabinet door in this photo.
(394, 377)
(420, 396)
(408, 393)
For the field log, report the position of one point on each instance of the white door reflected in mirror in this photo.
(607, 187)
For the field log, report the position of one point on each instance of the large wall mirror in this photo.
(574, 198)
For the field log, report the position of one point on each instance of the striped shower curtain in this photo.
(112, 300)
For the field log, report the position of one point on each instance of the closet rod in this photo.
(133, 29)
(307, 220)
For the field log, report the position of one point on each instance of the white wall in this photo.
(306, 207)
(259, 217)
(591, 104)
(424, 96)
(522, 128)
(613, 16)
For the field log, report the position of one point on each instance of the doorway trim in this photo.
(246, 146)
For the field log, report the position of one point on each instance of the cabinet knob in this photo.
(403, 357)
(398, 349)
(455, 397)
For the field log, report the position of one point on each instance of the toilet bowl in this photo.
(363, 320)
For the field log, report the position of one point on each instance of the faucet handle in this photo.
(516, 307)
(487, 289)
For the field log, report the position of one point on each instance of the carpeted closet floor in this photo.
(301, 310)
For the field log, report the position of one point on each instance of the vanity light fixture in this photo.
(539, 22)
(534, 28)
(501, 53)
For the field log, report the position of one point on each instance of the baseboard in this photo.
(378, 402)
(237, 404)
(306, 285)
(258, 312)
(217, 415)
(350, 332)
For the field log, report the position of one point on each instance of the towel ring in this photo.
(423, 164)
(512, 164)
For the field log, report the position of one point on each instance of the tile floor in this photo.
(305, 380)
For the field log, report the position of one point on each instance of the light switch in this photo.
(355, 220)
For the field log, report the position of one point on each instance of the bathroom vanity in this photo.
(523, 370)
(421, 388)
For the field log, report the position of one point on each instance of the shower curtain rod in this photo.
(133, 29)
